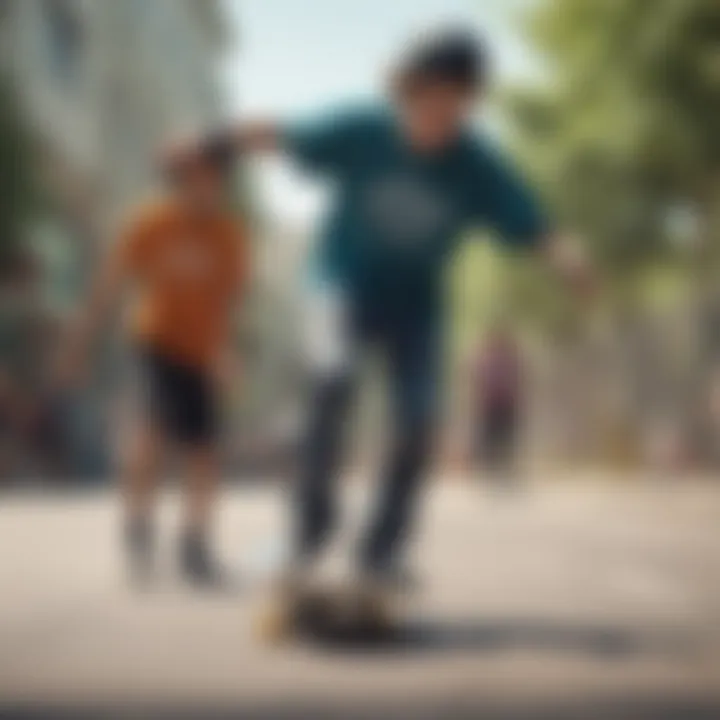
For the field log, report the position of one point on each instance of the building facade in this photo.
(100, 83)
(103, 81)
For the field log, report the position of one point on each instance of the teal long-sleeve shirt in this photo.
(396, 215)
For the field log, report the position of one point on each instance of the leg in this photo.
(183, 404)
(507, 451)
(146, 418)
(414, 378)
(313, 506)
(194, 426)
(196, 559)
(202, 486)
(139, 485)
(500, 443)
(322, 456)
(140, 474)
(141, 448)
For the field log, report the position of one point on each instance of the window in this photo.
(65, 39)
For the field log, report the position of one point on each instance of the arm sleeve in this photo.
(504, 201)
(325, 144)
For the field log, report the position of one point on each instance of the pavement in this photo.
(576, 599)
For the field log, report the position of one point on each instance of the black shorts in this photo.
(180, 398)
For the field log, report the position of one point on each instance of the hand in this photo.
(569, 259)
(227, 370)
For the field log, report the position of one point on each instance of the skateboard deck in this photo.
(330, 612)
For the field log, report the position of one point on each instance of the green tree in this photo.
(623, 134)
(628, 124)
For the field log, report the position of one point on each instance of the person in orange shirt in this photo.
(184, 257)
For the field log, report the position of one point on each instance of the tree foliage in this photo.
(623, 134)
(627, 124)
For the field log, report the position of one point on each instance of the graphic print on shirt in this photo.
(186, 260)
(406, 211)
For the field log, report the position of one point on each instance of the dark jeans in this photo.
(411, 351)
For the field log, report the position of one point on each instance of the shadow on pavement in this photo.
(490, 636)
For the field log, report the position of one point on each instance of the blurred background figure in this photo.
(184, 256)
(498, 388)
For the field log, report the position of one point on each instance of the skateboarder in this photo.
(410, 177)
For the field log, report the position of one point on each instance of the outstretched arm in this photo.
(508, 204)
(322, 144)
(246, 138)
(103, 296)
(120, 262)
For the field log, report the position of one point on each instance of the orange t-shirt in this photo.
(188, 271)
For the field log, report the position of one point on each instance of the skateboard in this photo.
(331, 613)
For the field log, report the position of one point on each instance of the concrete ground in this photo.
(579, 599)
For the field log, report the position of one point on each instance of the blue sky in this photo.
(292, 57)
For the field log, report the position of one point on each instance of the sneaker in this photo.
(197, 564)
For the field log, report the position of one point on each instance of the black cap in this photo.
(454, 55)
